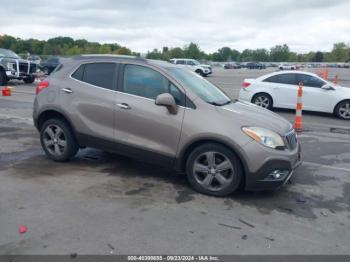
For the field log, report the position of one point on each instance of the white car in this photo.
(280, 90)
(194, 65)
(286, 67)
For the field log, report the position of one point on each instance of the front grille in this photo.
(23, 67)
(291, 139)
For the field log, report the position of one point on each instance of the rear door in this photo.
(88, 98)
(145, 129)
(284, 88)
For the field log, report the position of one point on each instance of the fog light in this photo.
(277, 175)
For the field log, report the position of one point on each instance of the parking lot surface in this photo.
(102, 203)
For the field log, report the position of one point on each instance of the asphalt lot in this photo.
(101, 203)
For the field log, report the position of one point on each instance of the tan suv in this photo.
(159, 112)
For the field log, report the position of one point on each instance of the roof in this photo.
(286, 72)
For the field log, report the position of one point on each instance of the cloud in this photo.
(146, 24)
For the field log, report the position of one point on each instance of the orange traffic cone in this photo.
(299, 109)
(6, 91)
(335, 81)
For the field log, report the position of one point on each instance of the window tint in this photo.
(189, 62)
(99, 74)
(310, 81)
(177, 94)
(289, 79)
(144, 82)
(180, 62)
(78, 74)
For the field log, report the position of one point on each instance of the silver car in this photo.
(162, 113)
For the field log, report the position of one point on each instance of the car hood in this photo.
(252, 115)
(202, 65)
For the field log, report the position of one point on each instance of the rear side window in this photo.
(78, 74)
(311, 81)
(288, 79)
(180, 62)
(97, 74)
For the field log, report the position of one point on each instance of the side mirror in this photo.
(327, 87)
(168, 101)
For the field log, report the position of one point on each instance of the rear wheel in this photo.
(263, 100)
(57, 140)
(213, 169)
(343, 110)
(3, 78)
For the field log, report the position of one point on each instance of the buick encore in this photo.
(166, 114)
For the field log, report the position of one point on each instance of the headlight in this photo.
(265, 136)
(11, 66)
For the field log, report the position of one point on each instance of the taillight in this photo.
(41, 86)
(246, 84)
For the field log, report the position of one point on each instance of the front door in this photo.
(146, 129)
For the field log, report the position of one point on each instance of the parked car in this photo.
(14, 67)
(194, 65)
(286, 67)
(280, 90)
(166, 114)
(34, 58)
(231, 65)
(255, 65)
(49, 65)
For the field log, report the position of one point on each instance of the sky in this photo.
(142, 25)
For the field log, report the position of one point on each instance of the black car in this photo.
(255, 65)
(230, 65)
(49, 65)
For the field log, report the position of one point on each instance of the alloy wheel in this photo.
(262, 101)
(213, 171)
(54, 140)
(344, 110)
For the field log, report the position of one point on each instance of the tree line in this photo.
(67, 46)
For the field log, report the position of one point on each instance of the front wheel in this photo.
(57, 140)
(3, 78)
(200, 72)
(343, 110)
(213, 169)
(263, 100)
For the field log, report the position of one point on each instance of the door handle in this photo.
(67, 90)
(123, 106)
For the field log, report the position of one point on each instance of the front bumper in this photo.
(262, 178)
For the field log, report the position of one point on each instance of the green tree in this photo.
(318, 57)
(279, 53)
(193, 51)
(340, 52)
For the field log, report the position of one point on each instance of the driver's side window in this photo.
(148, 83)
(311, 81)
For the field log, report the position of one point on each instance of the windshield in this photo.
(201, 87)
(195, 62)
(8, 53)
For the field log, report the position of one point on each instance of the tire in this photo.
(29, 80)
(264, 100)
(342, 110)
(200, 72)
(57, 140)
(3, 78)
(205, 176)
